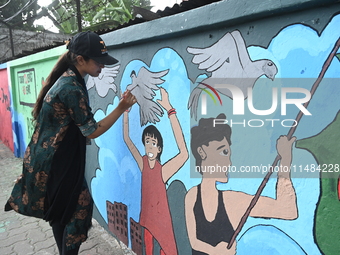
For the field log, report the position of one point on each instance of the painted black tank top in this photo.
(220, 229)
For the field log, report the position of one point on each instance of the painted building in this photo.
(136, 237)
(117, 220)
(234, 139)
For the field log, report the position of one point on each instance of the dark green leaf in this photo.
(338, 56)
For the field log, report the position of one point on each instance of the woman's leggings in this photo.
(59, 232)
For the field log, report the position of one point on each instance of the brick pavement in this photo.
(22, 235)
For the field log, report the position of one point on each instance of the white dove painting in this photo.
(229, 63)
(142, 87)
(105, 81)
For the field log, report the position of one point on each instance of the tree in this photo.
(94, 14)
(19, 13)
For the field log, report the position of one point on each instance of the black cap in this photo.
(90, 44)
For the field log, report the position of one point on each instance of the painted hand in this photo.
(164, 102)
(221, 248)
(284, 146)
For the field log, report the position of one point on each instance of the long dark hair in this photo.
(63, 63)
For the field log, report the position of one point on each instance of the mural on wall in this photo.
(229, 63)
(4, 99)
(6, 135)
(105, 81)
(155, 210)
(231, 148)
(162, 77)
(142, 87)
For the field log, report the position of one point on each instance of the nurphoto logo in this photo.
(238, 103)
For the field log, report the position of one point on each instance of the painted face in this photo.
(151, 147)
(217, 156)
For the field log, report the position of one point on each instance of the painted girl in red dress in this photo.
(155, 213)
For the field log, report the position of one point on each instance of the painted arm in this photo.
(133, 149)
(196, 244)
(174, 164)
(284, 206)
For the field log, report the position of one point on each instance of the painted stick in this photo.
(289, 136)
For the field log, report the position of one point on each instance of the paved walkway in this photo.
(21, 235)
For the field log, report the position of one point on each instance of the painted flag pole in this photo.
(289, 136)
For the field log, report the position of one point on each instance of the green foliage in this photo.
(95, 14)
(65, 18)
(19, 13)
(326, 150)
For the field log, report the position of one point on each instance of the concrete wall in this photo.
(297, 37)
(27, 75)
(206, 59)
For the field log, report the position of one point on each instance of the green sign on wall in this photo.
(27, 87)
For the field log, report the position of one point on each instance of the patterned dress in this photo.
(52, 185)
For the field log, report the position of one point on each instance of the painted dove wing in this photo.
(212, 58)
(229, 62)
(105, 81)
(142, 87)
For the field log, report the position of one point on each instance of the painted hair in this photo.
(64, 61)
(205, 132)
(152, 131)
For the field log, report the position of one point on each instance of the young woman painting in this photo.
(52, 185)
